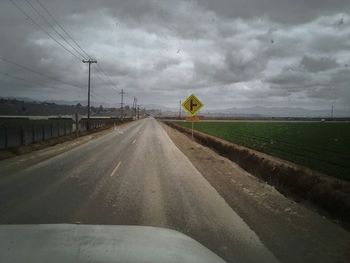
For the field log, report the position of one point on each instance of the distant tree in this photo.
(78, 105)
(100, 108)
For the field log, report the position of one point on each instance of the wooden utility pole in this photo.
(180, 111)
(122, 105)
(332, 112)
(134, 107)
(90, 61)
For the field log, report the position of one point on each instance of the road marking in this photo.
(116, 168)
(133, 141)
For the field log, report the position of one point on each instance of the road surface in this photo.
(134, 175)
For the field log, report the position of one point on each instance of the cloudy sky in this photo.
(231, 53)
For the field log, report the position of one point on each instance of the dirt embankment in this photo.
(325, 192)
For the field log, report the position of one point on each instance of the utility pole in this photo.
(122, 105)
(138, 111)
(180, 111)
(90, 61)
(332, 112)
(134, 107)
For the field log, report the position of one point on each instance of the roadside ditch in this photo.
(326, 193)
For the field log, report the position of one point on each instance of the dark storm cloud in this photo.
(232, 68)
(160, 51)
(284, 11)
(314, 64)
(164, 63)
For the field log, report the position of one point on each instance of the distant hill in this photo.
(25, 106)
(17, 107)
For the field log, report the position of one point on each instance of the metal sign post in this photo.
(192, 130)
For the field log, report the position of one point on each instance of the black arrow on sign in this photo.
(192, 105)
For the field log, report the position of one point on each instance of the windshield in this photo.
(227, 121)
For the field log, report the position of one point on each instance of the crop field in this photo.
(321, 146)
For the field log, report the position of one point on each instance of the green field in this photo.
(321, 146)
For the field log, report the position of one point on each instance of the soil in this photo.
(328, 195)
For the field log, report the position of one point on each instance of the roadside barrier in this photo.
(15, 132)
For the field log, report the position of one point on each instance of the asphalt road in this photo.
(134, 175)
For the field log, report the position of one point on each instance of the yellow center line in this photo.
(116, 168)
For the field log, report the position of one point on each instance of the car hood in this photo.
(98, 243)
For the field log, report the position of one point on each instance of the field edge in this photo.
(328, 193)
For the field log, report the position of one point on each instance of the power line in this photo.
(102, 75)
(19, 78)
(99, 69)
(69, 36)
(53, 28)
(10, 83)
(62, 28)
(99, 75)
(38, 73)
(42, 29)
(107, 76)
(98, 96)
(36, 84)
(109, 82)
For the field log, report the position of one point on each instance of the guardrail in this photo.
(18, 131)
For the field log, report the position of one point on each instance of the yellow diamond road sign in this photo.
(192, 105)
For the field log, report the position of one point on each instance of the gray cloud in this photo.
(240, 52)
(284, 11)
(165, 63)
(318, 64)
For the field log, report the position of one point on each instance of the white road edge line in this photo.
(133, 141)
(116, 168)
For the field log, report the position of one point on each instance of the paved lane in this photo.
(134, 175)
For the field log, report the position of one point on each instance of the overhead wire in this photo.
(29, 83)
(62, 28)
(42, 29)
(19, 78)
(99, 70)
(79, 54)
(54, 29)
(37, 72)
